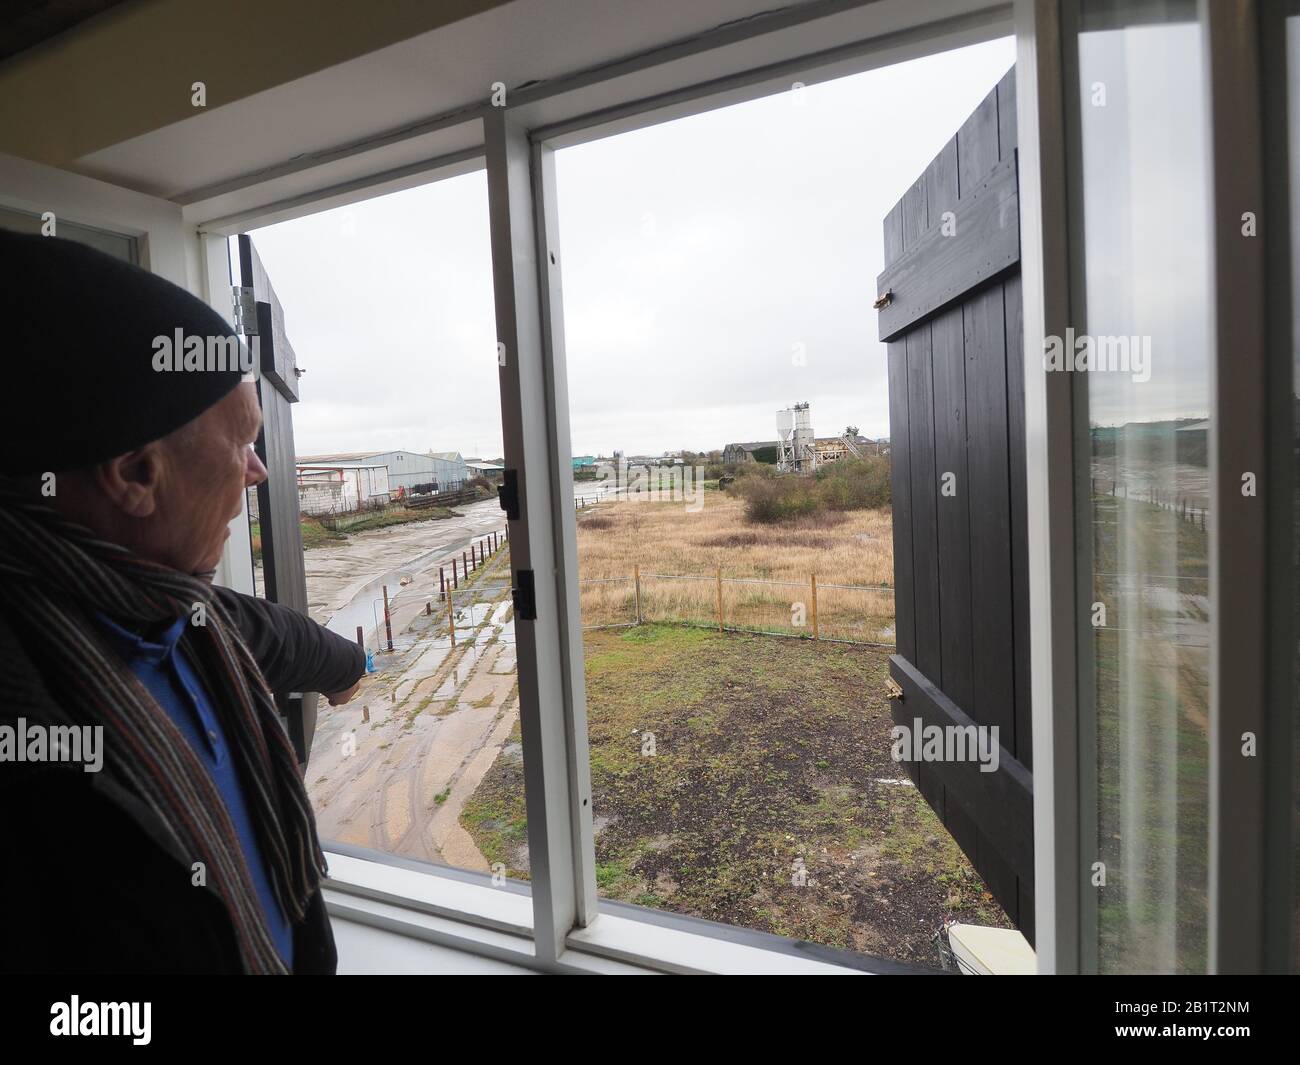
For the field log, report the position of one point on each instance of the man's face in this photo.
(209, 464)
(172, 500)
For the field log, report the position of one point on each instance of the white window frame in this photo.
(1242, 923)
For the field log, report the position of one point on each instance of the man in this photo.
(188, 843)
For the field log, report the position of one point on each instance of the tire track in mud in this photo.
(434, 732)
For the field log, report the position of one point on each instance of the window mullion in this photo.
(1238, 462)
(550, 745)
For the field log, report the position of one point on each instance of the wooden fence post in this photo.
(719, 579)
(814, 604)
(451, 622)
(636, 576)
(388, 624)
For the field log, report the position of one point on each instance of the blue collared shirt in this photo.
(171, 680)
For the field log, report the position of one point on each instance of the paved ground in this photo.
(345, 578)
(439, 712)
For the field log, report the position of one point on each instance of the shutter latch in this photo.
(524, 595)
(508, 494)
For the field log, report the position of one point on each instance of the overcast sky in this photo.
(700, 257)
(1145, 209)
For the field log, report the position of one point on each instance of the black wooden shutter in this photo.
(956, 405)
(284, 571)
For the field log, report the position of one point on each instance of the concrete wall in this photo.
(321, 497)
(343, 489)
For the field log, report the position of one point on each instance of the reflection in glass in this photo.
(1146, 492)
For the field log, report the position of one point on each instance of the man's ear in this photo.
(132, 482)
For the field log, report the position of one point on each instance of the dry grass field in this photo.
(767, 796)
(766, 569)
(769, 757)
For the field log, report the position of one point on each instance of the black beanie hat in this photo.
(101, 356)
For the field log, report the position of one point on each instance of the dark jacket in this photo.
(294, 653)
(89, 879)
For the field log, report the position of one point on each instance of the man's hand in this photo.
(338, 698)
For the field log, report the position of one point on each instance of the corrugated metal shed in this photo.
(406, 469)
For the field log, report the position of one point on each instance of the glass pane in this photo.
(115, 244)
(730, 423)
(388, 305)
(1143, 481)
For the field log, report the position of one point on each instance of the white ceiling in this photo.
(327, 134)
(437, 72)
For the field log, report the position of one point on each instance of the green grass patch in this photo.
(720, 762)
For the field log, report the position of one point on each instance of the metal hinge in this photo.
(245, 309)
(508, 494)
(524, 595)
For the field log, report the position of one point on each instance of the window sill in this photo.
(432, 893)
(465, 912)
(671, 950)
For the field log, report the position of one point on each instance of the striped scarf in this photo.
(54, 577)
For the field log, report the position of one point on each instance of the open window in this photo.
(1155, 727)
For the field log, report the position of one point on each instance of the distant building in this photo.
(834, 448)
(827, 449)
(339, 488)
(583, 462)
(436, 471)
(480, 468)
(754, 451)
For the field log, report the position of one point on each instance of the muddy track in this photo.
(438, 716)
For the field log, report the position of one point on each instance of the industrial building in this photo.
(482, 468)
(798, 449)
(847, 445)
(753, 451)
(409, 470)
(341, 487)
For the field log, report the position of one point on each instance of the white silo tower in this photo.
(797, 448)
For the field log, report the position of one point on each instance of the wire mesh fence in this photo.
(844, 613)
